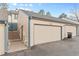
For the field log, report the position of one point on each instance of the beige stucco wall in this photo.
(64, 30)
(23, 21)
(71, 29)
(2, 28)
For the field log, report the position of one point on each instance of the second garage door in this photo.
(45, 33)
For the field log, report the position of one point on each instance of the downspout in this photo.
(76, 30)
(61, 33)
(29, 46)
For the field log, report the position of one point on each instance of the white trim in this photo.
(6, 38)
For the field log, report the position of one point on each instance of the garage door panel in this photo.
(44, 34)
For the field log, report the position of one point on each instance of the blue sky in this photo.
(54, 8)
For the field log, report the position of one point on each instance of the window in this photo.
(15, 16)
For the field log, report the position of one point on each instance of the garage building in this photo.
(37, 29)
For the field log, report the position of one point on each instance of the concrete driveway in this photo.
(58, 48)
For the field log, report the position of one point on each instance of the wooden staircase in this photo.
(14, 36)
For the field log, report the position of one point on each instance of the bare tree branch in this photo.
(74, 13)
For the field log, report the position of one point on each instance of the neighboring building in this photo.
(3, 36)
(3, 14)
(37, 29)
(3, 30)
(12, 19)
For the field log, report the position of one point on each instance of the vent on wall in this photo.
(69, 34)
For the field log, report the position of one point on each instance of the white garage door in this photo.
(44, 34)
(2, 39)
